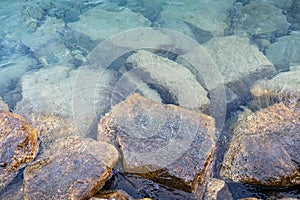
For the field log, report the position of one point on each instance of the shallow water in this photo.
(43, 43)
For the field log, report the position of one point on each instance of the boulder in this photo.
(285, 52)
(207, 17)
(285, 86)
(99, 24)
(18, 145)
(165, 143)
(70, 94)
(46, 42)
(171, 79)
(264, 149)
(73, 168)
(261, 19)
(240, 65)
(3, 105)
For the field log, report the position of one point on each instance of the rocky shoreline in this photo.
(136, 131)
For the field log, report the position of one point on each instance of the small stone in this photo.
(73, 168)
(18, 145)
(217, 189)
(117, 195)
(265, 148)
(165, 143)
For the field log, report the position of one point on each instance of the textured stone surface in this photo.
(285, 86)
(262, 19)
(239, 63)
(169, 77)
(100, 24)
(164, 143)
(3, 105)
(265, 148)
(49, 48)
(285, 51)
(72, 168)
(208, 16)
(18, 145)
(117, 195)
(217, 189)
(67, 93)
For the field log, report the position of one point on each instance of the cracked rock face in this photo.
(18, 145)
(164, 143)
(265, 148)
(73, 168)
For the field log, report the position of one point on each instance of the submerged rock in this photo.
(99, 24)
(261, 19)
(164, 143)
(285, 86)
(171, 79)
(18, 145)
(206, 17)
(73, 168)
(67, 93)
(285, 51)
(3, 105)
(265, 148)
(239, 63)
(46, 42)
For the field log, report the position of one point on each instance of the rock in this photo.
(217, 189)
(206, 16)
(46, 42)
(240, 65)
(14, 190)
(173, 80)
(67, 93)
(261, 19)
(18, 145)
(117, 195)
(164, 143)
(285, 86)
(265, 148)
(100, 24)
(3, 105)
(285, 51)
(73, 168)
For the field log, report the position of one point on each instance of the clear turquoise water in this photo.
(44, 34)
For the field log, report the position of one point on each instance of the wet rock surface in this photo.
(265, 148)
(164, 143)
(217, 189)
(18, 145)
(239, 63)
(117, 195)
(285, 51)
(285, 86)
(170, 79)
(100, 24)
(261, 19)
(73, 168)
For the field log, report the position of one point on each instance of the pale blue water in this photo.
(45, 34)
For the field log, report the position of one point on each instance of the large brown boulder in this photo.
(265, 148)
(18, 145)
(73, 168)
(165, 143)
